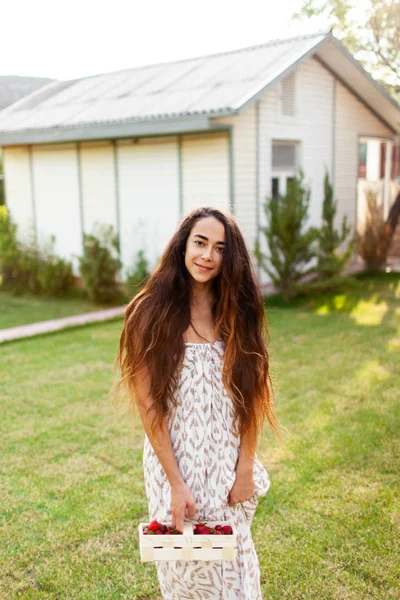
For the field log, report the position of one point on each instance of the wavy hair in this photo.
(159, 314)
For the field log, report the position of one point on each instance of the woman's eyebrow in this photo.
(204, 237)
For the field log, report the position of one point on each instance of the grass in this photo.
(72, 480)
(22, 310)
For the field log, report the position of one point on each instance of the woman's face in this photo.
(204, 249)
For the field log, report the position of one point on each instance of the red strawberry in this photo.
(163, 528)
(158, 532)
(218, 528)
(153, 526)
(227, 529)
(218, 532)
(203, 530)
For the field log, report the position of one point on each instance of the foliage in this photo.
(330, 260)
(24, 267)
(99, 265)
(375, 238)
(291, 245)
(136, 278)
(375, 41)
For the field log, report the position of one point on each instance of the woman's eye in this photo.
(198, 242)
(220, 248)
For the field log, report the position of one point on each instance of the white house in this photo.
(140, 147)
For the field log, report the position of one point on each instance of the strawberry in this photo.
(218, 528)
(158, 532)
(153, 526)
(227, 529)
(202, 530)
(163, 528)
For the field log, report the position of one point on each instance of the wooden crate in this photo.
(188, 546)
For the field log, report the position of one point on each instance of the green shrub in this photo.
(99, 266)
(26, 268)
(137, 277)
(291, 245)
(330, 259)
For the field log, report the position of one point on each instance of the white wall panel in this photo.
(149, 197)
(244, 171)
(353, 119)
(18, 189)
(98, 186)
(56, 186)
(311, 126)
(205, 171)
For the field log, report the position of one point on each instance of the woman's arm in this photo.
(244, 487)
(181, 496)
(246, 457)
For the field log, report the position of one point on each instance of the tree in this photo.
(375, 41)
(330, 259)
(291, 245)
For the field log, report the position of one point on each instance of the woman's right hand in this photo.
(181, 498)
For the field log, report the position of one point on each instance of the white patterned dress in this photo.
(207, 449)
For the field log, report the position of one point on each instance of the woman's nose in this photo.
(207, 252)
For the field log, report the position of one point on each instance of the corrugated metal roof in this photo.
(208, 85)
(14, 87)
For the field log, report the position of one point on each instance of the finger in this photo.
(179, 521)
(191, 509)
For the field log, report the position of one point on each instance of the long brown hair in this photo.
(159, 314)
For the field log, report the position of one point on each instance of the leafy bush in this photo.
(99, 266)
(375, 239)
(291, 245)
(26, 268)
(137, 277)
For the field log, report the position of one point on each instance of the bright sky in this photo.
(74, 38)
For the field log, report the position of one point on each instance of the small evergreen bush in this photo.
(291, 245)
(137, 277)
(330, 259)
(99, 266)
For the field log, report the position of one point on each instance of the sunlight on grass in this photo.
(370, 373)
(368, 313)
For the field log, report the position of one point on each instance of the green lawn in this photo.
(22, 310)
(328, 528)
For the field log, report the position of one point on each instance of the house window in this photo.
(284, 155)
(288, 95)
(275, 187)
(285, 163)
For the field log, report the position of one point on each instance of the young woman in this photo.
(193, 355)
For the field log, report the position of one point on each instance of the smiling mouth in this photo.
(201, 267)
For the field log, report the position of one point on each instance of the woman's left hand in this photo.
(243, 489)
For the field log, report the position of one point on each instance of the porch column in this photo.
(387, 184)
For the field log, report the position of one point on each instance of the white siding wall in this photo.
(353, 119)
(55, 170)
(18, 189)
(244, 168)
(205, 171)
(149, 197)
(311, 126)
(98, 185)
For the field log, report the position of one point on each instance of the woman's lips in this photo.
(203, 268)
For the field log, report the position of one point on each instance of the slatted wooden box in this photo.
(188, 546)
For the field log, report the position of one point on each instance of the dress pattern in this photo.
(207, 448)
